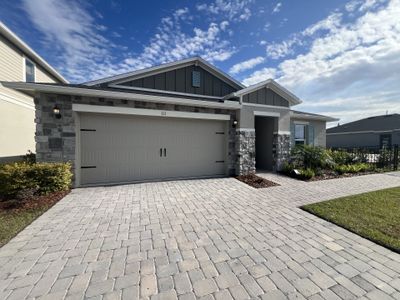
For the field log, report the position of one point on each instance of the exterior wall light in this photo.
(56, 111)
(234, 123)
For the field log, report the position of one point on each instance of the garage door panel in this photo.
(127, 148)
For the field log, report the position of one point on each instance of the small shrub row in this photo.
(34, 178)
(354, 168)
(308, 161)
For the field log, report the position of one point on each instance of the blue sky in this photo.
(342, 58)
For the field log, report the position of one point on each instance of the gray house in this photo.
(185, 119)
(377, 132)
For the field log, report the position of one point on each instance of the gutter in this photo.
(312, 117)
(67, 90)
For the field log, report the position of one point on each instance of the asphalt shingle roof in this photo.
(377, 123)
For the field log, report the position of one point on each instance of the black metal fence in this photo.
(385, 158)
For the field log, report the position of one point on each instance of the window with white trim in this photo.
(300, 134)
(29, 71)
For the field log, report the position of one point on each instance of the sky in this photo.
(342, 58)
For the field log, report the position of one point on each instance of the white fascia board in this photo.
(132, 88)
(147, 112)
(20, 44)
(25, 86)
(267, 114)
(312, 117)
(265, 106)
(273, 85)
(164, 68)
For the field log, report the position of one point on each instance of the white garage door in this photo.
(121, 148)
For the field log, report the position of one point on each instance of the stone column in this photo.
(281, 150)
(245, 140)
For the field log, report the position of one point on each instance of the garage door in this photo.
(122, 148)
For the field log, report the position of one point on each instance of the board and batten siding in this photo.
(180, 80)
(17, 112)
(265, 96)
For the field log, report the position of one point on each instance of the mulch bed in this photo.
(256, 181)
(33, 202)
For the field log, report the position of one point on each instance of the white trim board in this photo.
(25, 86)
(267, 114)
(16, 101)
(282, 132)
(147, 112)
(301, 122)
(265, 106)
(22, 46)
(197, 61)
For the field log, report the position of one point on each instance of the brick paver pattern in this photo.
(199, 239)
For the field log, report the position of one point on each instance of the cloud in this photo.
(84, 53)
(287, 47)
(277, 8)
(234, 10)
(356, 63)
(246, 65)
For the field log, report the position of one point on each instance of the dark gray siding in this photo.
(265, 96)
(359, 140)
(180, 80)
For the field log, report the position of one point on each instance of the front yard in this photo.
(16, 216)
(27, 190)
(373, 215)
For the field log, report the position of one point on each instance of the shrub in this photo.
(306, 174)
(287, 168)
(29, 158)
(340, 157)
(43, 178)
(310, 157)
(354, 168)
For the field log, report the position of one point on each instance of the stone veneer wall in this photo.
(246, 163)
(246, 142)
(280, 150)
(55, 138)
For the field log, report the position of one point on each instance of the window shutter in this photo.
(310, 140)
(292, 133)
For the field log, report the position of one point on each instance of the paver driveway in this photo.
(208, 239)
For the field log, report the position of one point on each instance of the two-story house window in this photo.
(29, 71)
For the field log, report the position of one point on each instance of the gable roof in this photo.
(376, 123)
(310, 116)
(167, 67)
(271, 84)
(20, 44)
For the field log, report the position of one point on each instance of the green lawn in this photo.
(14, 222)
(374, 215)
(14, 219)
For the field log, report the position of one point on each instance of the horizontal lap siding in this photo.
(180, 80)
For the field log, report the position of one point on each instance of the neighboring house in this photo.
(183, 119)
(379, 131)
(18, 62)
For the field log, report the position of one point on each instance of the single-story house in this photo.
(18, 62)
(184, 119)
(372, 132)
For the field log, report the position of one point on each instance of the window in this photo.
(29, 71)
(196, 79)
(300, 134)
(386, 140)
